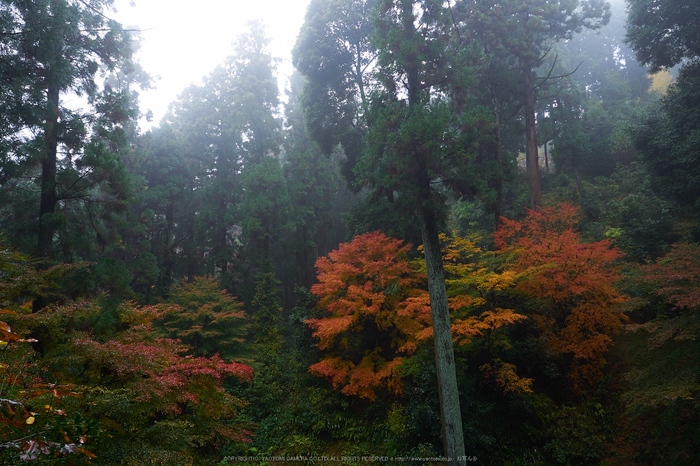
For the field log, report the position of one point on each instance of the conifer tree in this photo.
(267, 312)
(418, 148)
(526, 29)
(312, 183)
(335, 54)
(52, 48)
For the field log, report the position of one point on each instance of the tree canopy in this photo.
(663, 32)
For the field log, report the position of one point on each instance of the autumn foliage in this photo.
(475, 296)
(363, 286)
(32, 416)
(135, 382)
(574, 282)
(369, 287)
(476, 290)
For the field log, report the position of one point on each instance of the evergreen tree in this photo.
(52, 48)
(418, 146)
(162, 246)
(219, 138)
(312, 182)
(663, 32)
(267, 314)
(526, 31)
(265, 207)
(668, 139)
(333, 51)
(205, 121)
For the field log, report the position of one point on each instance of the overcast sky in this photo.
(184, 40)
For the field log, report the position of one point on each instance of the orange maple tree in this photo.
(364, 287)
(379, 310)
(575, 282)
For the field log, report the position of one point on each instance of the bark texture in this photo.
(532, 157)
(450, 413)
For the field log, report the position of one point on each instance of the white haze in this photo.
(184, 40)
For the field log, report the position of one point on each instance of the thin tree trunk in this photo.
(220, 250)
(190, 248)
(532, 158)
(546, 158)
(450, 413)
(169, 248)
(48, 198)
(358, 77)
(47, 205)
(498, 213)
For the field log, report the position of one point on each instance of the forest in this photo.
(467, 232)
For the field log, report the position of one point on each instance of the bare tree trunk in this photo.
(532, 157)
(48, 198)
(191, 253)
(47, 205)
(450, 413)
(498, 213)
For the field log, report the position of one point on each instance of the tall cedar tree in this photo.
(52, 48)
(202, 151)
(225, 131)
(265, 207)
(164, 243)
(335, 54)
(312, 183)
(419, 146)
